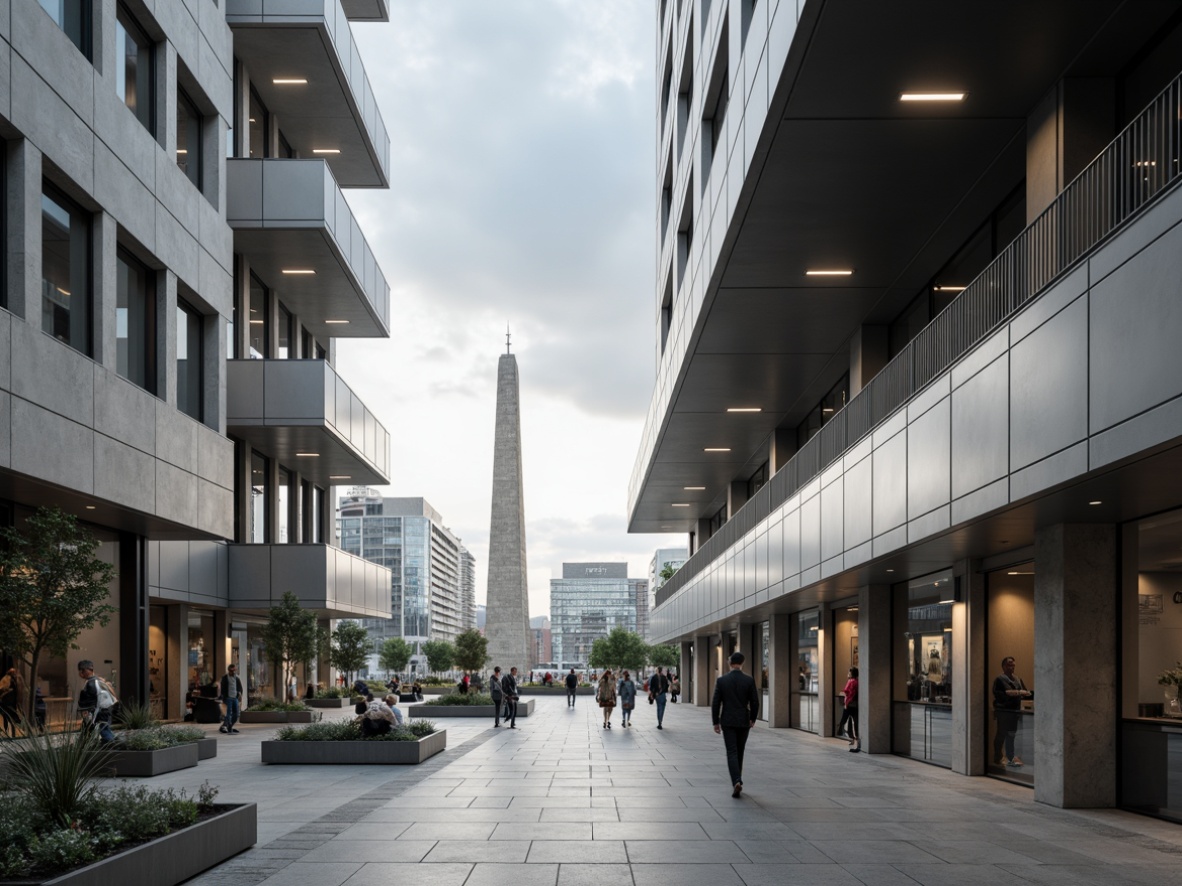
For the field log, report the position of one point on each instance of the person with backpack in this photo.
(95, 701)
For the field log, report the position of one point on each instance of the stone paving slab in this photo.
(563, 802)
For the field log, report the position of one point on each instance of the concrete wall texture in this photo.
(507, 627)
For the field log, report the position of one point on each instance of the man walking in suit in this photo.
(509, 688)
(735, 709)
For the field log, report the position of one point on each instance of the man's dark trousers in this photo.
(511, 712)
(736, 741)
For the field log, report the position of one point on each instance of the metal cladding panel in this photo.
(929, 444)
(1048, 387)
(890, 483)
(833, 519)
(981, 429)
(810, 532)
(858, 499)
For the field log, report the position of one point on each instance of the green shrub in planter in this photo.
(458, 698)
(347, 730)
(158, 737)
(274, 704)
(335, 692)
(135, 716)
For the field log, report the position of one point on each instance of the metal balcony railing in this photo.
(1140, 164)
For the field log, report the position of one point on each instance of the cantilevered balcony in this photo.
(290, 215)
(307, 70)
(302, 413)
(324, 578)
(366, 10)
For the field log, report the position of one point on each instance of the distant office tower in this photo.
(587, 602)
(507, 628)
(540, 640)
(671, 557)
(481, 615)
(467, 567)
(407, 536)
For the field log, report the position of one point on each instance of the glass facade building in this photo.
(588, 602)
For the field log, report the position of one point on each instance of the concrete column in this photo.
(175, 662)
(166, 333)
(969, 704)
(105, 286)
(23, 205)
(869, 352)
(874, 670)
(703, 688)
(781, 672)
(1076, 665)
(686, 667)
(213, 390)
(1065, 132)
(827, 681)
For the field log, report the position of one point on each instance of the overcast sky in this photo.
(522, 193)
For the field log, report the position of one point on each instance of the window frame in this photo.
(147, 326)
(83, 39)
(144, 111)
(85, 327)
(183, 308)
(194, 168)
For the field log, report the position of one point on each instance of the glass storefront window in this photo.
(806, 703)
(1010, 660)
(158, 661)
(202, 675)
(922, 671)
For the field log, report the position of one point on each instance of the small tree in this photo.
(471, 650)
(394, 655)
(291, 637)
(664, 656)
(53, 587)
(667, 572)
(349, 648)
(440, 655)
(619, 649)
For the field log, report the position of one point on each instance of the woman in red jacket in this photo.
(849, 716)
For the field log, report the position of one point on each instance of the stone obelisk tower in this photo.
(507, 621)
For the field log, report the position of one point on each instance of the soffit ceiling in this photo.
(848, 176)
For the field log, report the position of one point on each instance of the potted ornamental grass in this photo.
(342, 742)
(466, 704)
(274, 710)
(61, 826)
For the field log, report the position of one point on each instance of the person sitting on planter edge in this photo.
(378, 719)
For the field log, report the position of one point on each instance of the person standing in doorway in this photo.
(658, 689)
(849, 714)
(734, 710)
(572, 684)
(627, 695)
(1008, 692)
(605, 694)
(231, 695)
(497, 691)
(509, 687)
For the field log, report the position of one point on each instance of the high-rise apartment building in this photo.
(407, 536)
(663, 558)
(588, 602)
(467, 569)
(918, 404)
(180, 263)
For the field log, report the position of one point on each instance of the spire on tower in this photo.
(507, 338)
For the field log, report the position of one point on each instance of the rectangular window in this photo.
(190, 361)
(134, 56)
(260, 125)
(285, 149)
(188, 138)
(285, 351)
(65, 270)
(258, 498)
(259, 327)
(283, 521)
(135, 321)
(73, 17)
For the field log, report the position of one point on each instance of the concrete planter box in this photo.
(558, 691)
(278, 717)
(145, 764)
(174, 858)
(207, 748)
(440, 711)
(333, 703)
(397, 753)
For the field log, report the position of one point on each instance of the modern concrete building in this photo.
(467, 580)
(918, 404)
(541, 641)
(507, 626)
(587, 603)
(407, 536)
(180, 260)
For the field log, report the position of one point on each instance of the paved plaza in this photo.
(562, 802)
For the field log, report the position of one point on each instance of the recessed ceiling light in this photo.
(326, 150)
(950, 288)
(890, 570)
(744, 409)
(947, 630)
(299, 271)
(679, 504)
(931, 96)
(307, 455)
(289, 81)
(336, 322)
(851, 609)
(694, 488)
(62, 291)
(90, 507)
(946, 602)
(340, 476)
(716, 449)
(182, 150)
(829, 272)
(1031, 572)
(257, 322)
(1094, 503)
